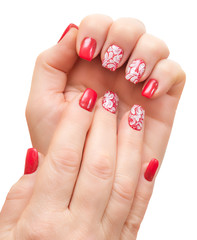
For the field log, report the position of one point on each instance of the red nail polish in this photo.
(88, 99)
(87, 49)
(150, 88)
(67, 29)
(31, 163)
(151, 170)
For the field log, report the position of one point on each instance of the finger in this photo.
(142, 197)
(57, 176)
(52, 65)
(167, 77)
(20, 193)
(95, 179)
(130, 142)
(121, 40)
(92, 34)
(148, 51)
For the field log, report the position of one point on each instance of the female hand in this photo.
(100, 201)
(60, 75)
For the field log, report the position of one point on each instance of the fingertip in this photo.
(31, 161)
(72, 25)
(149, 88)
(92, 34)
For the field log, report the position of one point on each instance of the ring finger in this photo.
(148, 51)
(121, 40)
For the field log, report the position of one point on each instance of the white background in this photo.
(29, 27)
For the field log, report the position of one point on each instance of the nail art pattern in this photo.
(136, 117)
(110, 101)
(112, 57)
(135, 71)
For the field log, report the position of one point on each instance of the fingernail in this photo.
(112, 57)
(67, 29)
(110, 101)
(88, 99)
(151, 170)
(87, 49)
(135, 71)
(31, 162)
(136, 117)
(150, 88)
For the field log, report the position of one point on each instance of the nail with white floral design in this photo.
(135, 71)
(112, 57)
(136, 117)
(110, 101)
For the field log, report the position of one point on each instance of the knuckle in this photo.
(35, 228)
(41, 58)
(172, 70)
(178, 72)
(19, 189)
(66, 160)
(123, 188)
(93, 19)
(132, 25)
(133, 224)
(136, 145)
(143, 198)
(156, 46)
(101, 166)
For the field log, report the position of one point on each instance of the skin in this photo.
(42, 201)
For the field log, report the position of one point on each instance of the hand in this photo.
(58, 201)
(60, 74)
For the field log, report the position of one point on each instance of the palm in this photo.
(92, 75)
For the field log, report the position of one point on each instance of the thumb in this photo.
(53, 64)
(20, 193)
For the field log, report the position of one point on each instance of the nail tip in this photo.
(71, 25)
(151, 169)
(31, 161)
(87, 49)
(88, 99)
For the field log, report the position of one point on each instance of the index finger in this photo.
(57, 176)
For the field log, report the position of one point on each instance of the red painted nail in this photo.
(67, 29)
(87, 49)
(150, 88)
(151, 170)
(88, 99)
(31, 163)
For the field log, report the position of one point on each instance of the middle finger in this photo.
(95, 179)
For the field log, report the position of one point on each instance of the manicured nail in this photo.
(135, 71)
(31, 162)
(136, 117)
(112, 57)
(150, 88)
(67, 29)
(110, 101)
(87, 49)
(151, 170)
(88, 99)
